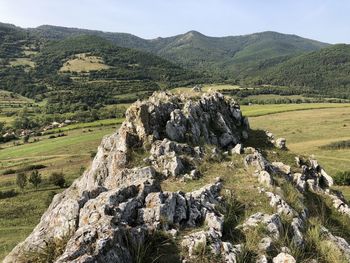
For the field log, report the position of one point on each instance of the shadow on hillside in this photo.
(258, 139)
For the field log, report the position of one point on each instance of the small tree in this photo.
(21, 180)
(35, 178)
(25, 138)
(58, 179)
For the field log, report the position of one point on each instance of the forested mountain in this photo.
(81, 72)
(325, 72)
(233, 55)
(44, 61)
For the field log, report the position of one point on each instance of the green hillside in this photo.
(325, 72)
(53, 63)
(82, 72)
(231, 55)
(234, 56)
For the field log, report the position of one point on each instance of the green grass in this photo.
(98, 123)
(307, 130)
(262, 110)
(57, 146)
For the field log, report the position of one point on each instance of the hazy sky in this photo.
(324, 20)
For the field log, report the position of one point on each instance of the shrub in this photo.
(26, 139)
(58, 179)
(35, 178)
(233, 212)
(21, 180)
(49, 197)
(24, 169)
(337, 145)
(7, 194)
(9, 171)
(93, 154)
(342, 178)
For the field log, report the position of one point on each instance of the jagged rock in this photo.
(111, 200)
(113, 207)
(297, 228)
(313, 176)
(173, 165)
(258, 161)
(194, 175)
(265, 244)
(261, 259)
(230, 252)
(214, 221)
(327, 180)
(264, 178)
(238, 149)
(167, 146)
(269, 135)
(281, 143)
(281, 167)
(215, 153)
(299, 180)
(273, 223)
(339, 203)
(194, 242)
(284, 258)
(281, 206)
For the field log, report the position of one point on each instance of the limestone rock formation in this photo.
(118, 203)
(111, 200)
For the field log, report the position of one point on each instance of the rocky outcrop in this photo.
(118, 203)
(112, 201)
(280, 143)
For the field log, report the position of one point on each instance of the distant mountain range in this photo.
(266, 58)
(237, 55)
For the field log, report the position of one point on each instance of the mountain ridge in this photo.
(200, 52)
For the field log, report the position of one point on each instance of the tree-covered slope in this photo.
(81, 72)
(234, 56)
(326, 71)
(124, 63)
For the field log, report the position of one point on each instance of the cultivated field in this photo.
(11, 103)
(84, 63)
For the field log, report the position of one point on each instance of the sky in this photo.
(323, 20)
